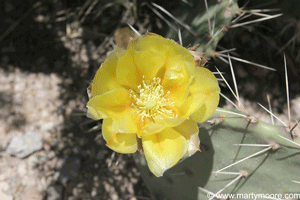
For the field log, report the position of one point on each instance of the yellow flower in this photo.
(151, 97)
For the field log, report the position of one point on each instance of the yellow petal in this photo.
(119, 142)
(105, 78)
(152, 129)
(206, 84)
(190, 131)
(95, 114)
(188, 128)
(170, 122)
(194, 146)
(126, 72)
(126, 124)
(170, 53)
(161, 124)
(149, 63)
(182, 54)
(176, 80)
(207, 109)
(191, 104)
(164, 149)
(112, 104)
(167, 48)
(154, 43)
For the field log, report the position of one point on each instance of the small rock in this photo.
(25, 145)
(69, 170)
(54, 192)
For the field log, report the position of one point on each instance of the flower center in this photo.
(150, 100)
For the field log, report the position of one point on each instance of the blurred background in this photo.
(49, 52)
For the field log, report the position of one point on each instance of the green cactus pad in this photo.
(276, 171)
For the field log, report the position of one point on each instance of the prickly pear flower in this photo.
(151, 97)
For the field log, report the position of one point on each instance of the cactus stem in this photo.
(226, 186)
(272, 114)
(290, 140)
(255, 154)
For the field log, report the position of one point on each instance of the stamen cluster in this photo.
(150, 100)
